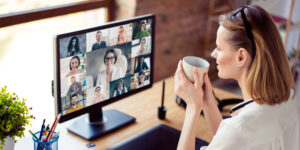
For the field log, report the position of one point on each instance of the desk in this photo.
(143, 106)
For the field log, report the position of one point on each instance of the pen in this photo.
(42, 129)
(33, 135)
(53, 127)
(163, 94)
(55, 135)
(46, 131)
(58, 117)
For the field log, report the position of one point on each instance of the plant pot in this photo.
(9, 143)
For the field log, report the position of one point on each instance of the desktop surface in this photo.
(143, 106)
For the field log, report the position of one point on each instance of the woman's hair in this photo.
(76, 45)
(75, 57)
(140, 25)
(270, 79)
(111, 51)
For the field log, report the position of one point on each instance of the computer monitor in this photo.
(98, 66)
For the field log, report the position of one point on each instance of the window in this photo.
(26, 56)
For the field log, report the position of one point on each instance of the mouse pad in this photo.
(160, 137)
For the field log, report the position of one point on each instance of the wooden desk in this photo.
(143, 106)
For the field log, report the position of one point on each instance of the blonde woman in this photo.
(249, 50)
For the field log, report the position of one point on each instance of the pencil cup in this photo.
(49, 145)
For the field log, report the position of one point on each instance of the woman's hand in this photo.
(192, 93)
(208, 97)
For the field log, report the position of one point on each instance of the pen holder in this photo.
(49, 145)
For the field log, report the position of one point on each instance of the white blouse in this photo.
(116, 74)
(260, 127)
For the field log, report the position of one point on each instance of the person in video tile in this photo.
(134, 82)
(99, 44)
(143, 32)
(142, 47)
(74, 66)
(142, 79)
(75, 87)
(120, 88)
(111, 72)
(98, 96)
(122, 36)
(74, 105)
(142, 65)
(73, 47)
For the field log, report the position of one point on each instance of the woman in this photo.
(249, 50)
(74, 66)
(73, 47)
(122, 36)
(98, 96)
(142, 47)
(143, 32)
(142, 80)
(111, 72)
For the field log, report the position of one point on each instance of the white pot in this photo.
(9, 143)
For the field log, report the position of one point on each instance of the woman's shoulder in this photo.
(256, 120)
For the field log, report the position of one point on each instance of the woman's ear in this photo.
(243, 57)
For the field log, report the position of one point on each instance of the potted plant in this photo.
(14, 116)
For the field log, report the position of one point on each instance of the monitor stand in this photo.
(97, 124)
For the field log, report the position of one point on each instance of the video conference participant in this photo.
(142, 65)
(120, 88)
(74, 105)
(142, 32)
(111, 72)
(142, 47)
(98, 96)
(134, 82)
(121, 36)
(73, 47)
(142, 80)
(74, 66)
(99, 43)
(75, 87)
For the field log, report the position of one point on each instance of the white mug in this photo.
(190, 62)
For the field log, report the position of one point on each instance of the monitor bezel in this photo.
(98, 106)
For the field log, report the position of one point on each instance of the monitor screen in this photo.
(98, 66)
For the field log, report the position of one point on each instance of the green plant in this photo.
(14, 115)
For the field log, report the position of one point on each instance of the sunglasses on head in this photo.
(247, 27)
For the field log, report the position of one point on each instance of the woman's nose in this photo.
(213, 54)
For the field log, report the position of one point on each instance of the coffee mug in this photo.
(190, 62)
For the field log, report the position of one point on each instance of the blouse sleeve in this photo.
(228, 137)
(119, 73)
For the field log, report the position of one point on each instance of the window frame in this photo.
(54, 11)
